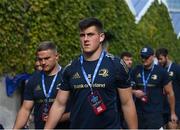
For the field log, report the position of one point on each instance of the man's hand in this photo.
(138, 93)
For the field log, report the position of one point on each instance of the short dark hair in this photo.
(161, 51)
(88, 22)
(125, 53)
(45, 45)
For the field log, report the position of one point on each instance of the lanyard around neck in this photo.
(48, 94)
(145, 81)
(95, 71)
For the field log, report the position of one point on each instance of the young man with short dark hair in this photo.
(93, 79)
(173, 70)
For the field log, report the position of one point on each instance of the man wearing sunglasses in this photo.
(150, 82)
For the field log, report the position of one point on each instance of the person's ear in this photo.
(57, 56)
(102, 37)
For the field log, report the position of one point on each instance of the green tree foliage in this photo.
(25, 23)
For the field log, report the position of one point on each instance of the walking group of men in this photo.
(85, 93)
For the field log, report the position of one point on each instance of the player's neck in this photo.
(93, 56)
(54, 70)
(149, 66)
(168, 63)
